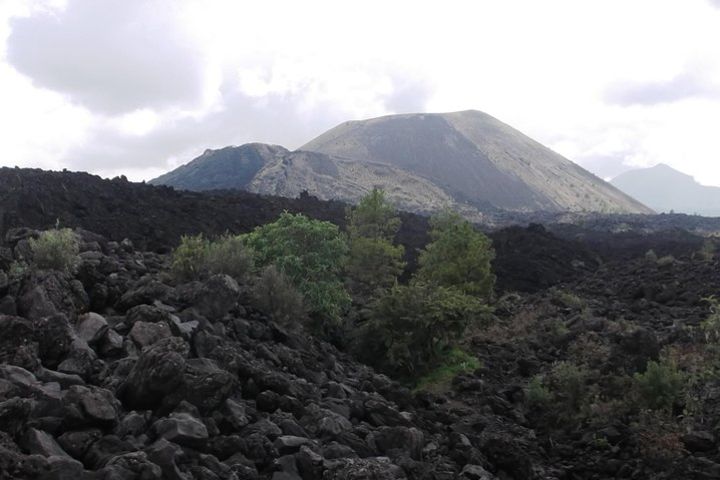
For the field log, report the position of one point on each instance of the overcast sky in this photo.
(138, 87)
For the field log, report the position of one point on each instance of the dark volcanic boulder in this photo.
(378, 468)
(17, 342)
(204, 385)
(90, 406)
(156, 374)
(217, 296)
(49, 292)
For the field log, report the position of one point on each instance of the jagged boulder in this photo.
(157, 373)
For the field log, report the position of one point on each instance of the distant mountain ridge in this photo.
(665, 189)
(468, 161)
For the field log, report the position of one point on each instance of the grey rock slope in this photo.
(664, 189)
(468, 161)
(477, 159)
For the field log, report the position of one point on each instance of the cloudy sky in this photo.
(137, 87)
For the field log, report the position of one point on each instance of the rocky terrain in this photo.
(468, 161)
(120, 371)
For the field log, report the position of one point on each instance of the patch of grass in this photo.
(537, 394)
(56, 249)
(453, 363)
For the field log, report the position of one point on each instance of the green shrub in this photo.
(567, 299)
(374, 263)
(373, 266)
(412, 325)
(569, 384)
(459, 256)
(197, 257)
(451, 364)
(660, 386)
(666, 261)
(312, 253)
(189, 258)
(56, 249)
(274, 294)
(537, 394)
(229, 255)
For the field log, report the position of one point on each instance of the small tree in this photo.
(458, 256)
(374, 263)
(312, 254)
(56, 249)
(412, 325)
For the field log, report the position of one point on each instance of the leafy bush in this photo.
(374, 263)
(312, 254)
(274, 294)
(230, 256)
(458, 256)
(451, 364)
(537, 394)
(373, 217)
(568, 383)
(411, 326)
(660, 386)
(197, 257)
(188, 259)
(56, 249)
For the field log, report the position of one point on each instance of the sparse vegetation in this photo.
(56, 249)
(274, 294)
(537, 394)
(451, 364)
(312, 254)
(197, 257)
(660, 386)
(412, 325)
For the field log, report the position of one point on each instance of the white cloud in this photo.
(111, 57)
(142, 86)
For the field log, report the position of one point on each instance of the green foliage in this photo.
(17, 270)
(188, 259)
(567, 299)
(197, 257)
(373, 217)
(412, 325)
(374, 263)
(660, 386)
(452, 363)
(537, 394)
(274, 294)
(230, 256)
(568, 383)
(458, 256)
(312, 254)
(56, 249)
